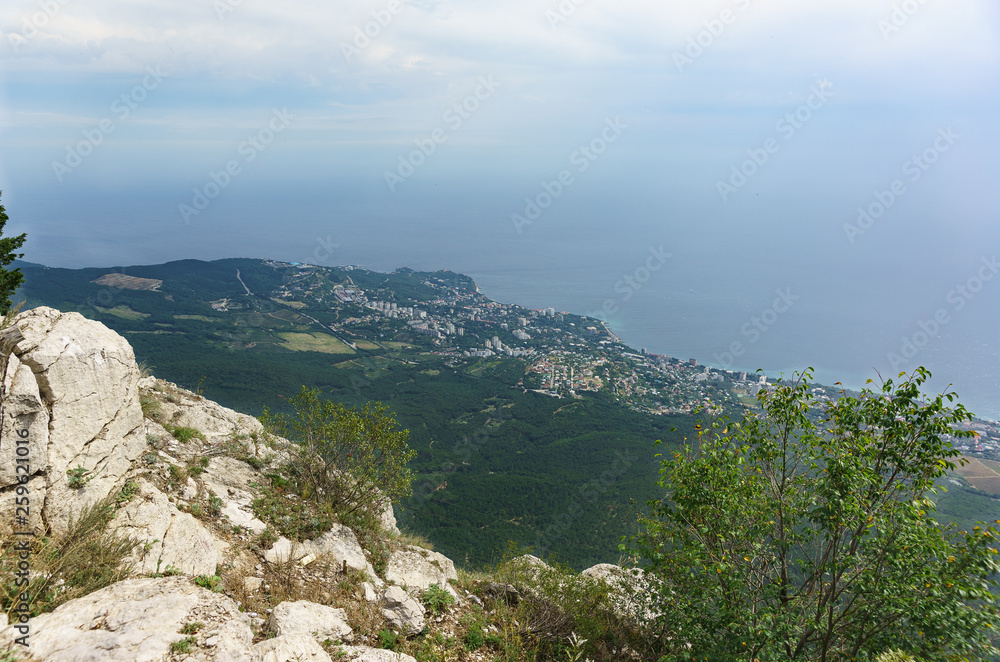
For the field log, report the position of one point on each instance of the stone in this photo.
(366, 654)
(338, 545)
(401, 611)
(167, 536)
(252, 584)
(417, 568)
(292, 648)
(304, 617)
(74, 388)
(137, 620)
(629, 588)
(368, 592)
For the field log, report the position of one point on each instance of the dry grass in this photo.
(980, 476)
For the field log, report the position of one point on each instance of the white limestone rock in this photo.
(416, 568)
(366, 654)
(167, 536)
(402, 611)
(85, 383)
(292, 648)
(137, 620)
(309, 618)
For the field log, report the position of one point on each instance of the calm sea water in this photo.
(676, 288)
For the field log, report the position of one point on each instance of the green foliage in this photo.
(805, 532)
(150, 407)
(388, 640)
(437, 600)
(214, 506)
(129, 490)
(178, 474)
(184, 645)
(183, 434)
(345, 458)
(559, 607)
(10, 279)
(294, 518)
(77, 477)
(211, 582)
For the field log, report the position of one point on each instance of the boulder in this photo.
(292, 648)
(366, 654)
(167, 536)
(402, 611)
(309, 618)
(72, 384)
(338, 545)
(137, 620)
(416, 568)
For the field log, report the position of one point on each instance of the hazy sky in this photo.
(745, 137)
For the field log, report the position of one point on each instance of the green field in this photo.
(314, 342)
(124, 312)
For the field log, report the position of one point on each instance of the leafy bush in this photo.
(211, 582)
(344, 458)
(820, 508)
(388, 640)
(184, 645)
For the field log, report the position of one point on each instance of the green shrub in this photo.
(343, 458)
(388, 640)
(214, 506)
(150, 407)
(437, 600)
(178, 474)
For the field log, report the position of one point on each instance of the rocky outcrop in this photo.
(167, 537)
(416, 568)
(231, 481)
(137, 620)
(71, 390)
(308, 618)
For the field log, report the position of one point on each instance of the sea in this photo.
(743, 302)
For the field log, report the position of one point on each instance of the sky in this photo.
(846, 150)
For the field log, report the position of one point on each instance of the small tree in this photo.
(806, 532)
(10, 279)
(348, 459)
